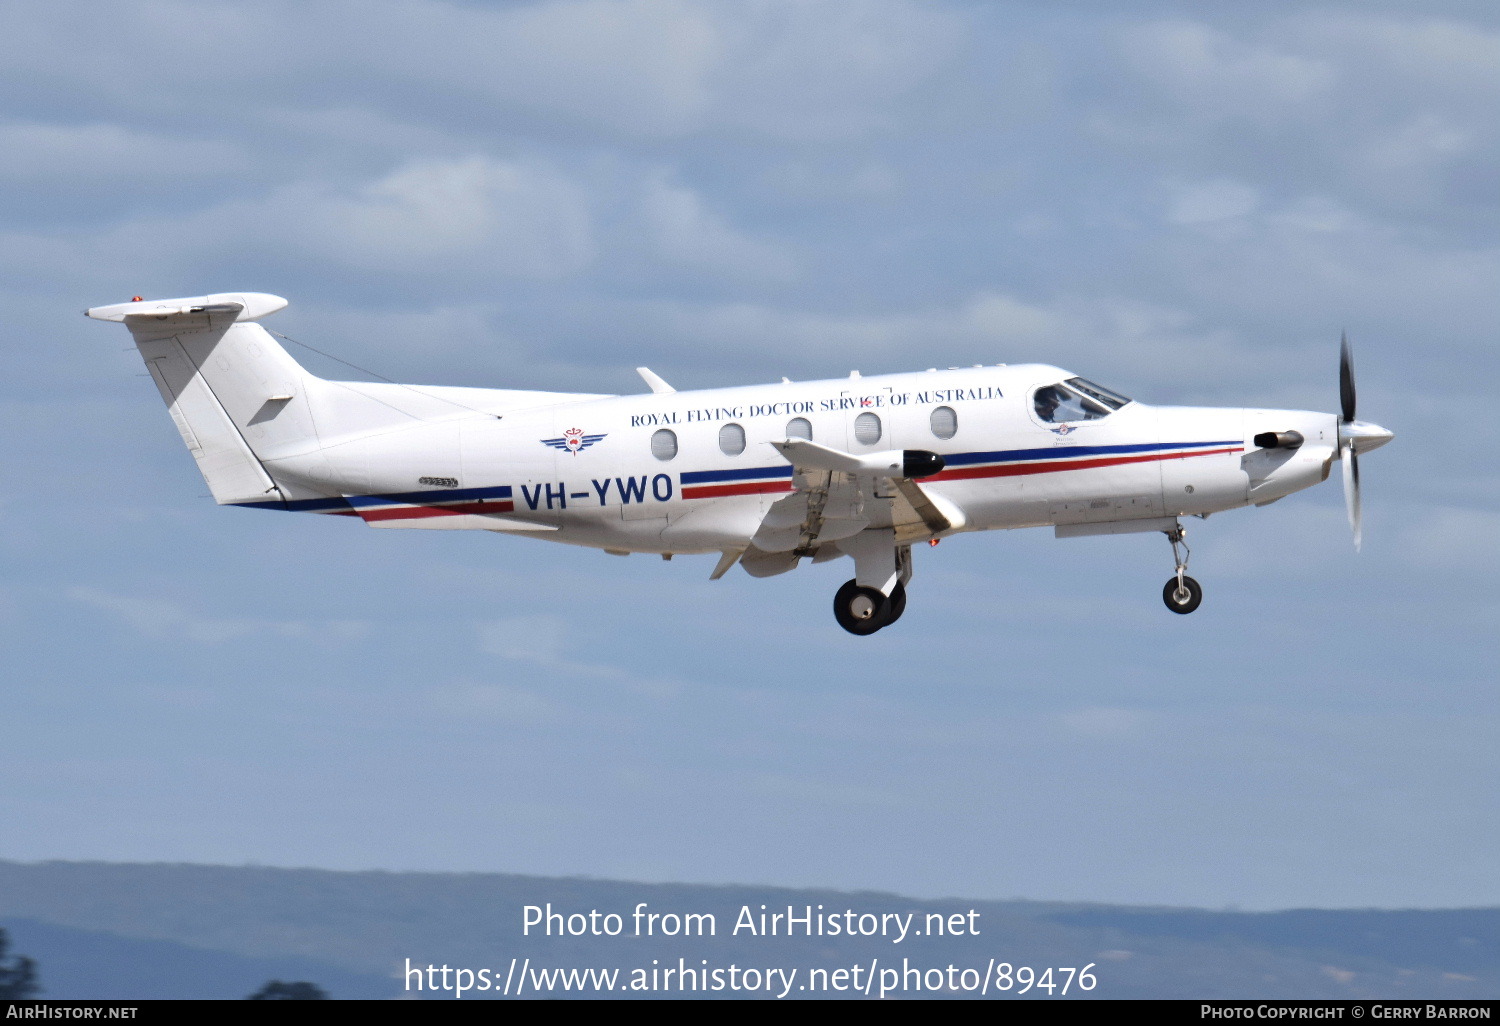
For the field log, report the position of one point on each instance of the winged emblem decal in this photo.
(573, 440)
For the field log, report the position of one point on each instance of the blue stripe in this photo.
(297, 505)
(693, 477)
(962, 459)
(442, 495)
(401, 498)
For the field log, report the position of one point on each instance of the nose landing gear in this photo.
(1181, 593)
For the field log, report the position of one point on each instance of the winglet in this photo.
(654, 381)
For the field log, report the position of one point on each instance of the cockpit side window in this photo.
(1060, 404)
(1114, 400)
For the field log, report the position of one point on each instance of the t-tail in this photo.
(238, 399)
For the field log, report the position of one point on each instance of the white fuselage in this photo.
(1005, 466)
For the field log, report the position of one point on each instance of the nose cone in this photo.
(1364, 436)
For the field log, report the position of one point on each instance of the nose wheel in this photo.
(865, 610)
(1181, 593)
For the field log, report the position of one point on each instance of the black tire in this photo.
(851, 600)
(1178, 604)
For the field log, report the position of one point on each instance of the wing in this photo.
(836, 496)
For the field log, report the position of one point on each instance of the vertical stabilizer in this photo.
(235, 395)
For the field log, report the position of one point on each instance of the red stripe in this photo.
(749, 488)
(413, 512)
(1020, 469)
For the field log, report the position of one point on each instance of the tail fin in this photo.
(236, 396)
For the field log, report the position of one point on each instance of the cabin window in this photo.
(731, 439)
(799, 427)
(867, 429)
(664, 444)
(944, 422)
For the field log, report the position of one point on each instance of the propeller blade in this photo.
(1351, 490)
(1346, 379)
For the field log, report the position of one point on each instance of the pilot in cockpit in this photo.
(1075, 400)
(1046, 403)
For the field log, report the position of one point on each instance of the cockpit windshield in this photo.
(1075, 399)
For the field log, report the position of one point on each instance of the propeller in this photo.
(1355, 436)
(1347, 451)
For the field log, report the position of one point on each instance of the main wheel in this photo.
(1184, 599)
(861, 610)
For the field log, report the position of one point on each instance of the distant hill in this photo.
(89, 964)
(161, 930)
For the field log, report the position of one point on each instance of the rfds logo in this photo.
(573, 440)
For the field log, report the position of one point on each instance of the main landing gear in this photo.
(876, 597)
(865, 610)
(1181, 593)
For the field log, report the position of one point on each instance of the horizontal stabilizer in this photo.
(247, 306)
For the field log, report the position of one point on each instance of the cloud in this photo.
(1206, 70)
(159, 618)
(542, 642)
(1216, 200)
(69, 155)
(1150, 343)
(1451, 540)
(1409, 162)
(1431, 51)
(453, 223)
(646, 69)
(686, 232)
(635, 64)
(516, 219)
(828, 72)
(536, 639)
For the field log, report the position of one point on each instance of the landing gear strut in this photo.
(1181, 593)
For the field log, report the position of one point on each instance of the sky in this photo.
(1186, 202)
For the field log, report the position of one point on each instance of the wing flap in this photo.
(758, 563)
(838, 496)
